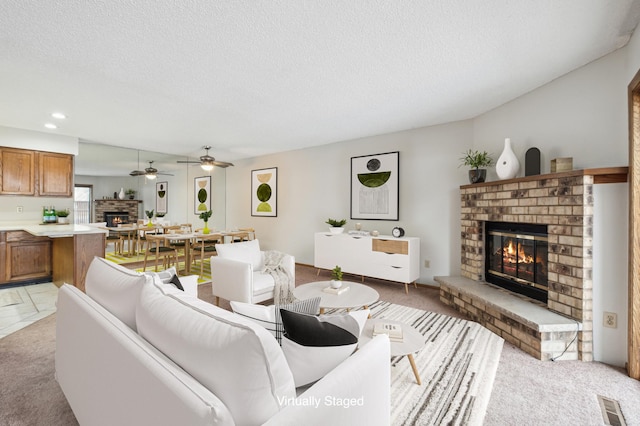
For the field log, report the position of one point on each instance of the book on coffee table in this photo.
(332, 290)
(393, 330)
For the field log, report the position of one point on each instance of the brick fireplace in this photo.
(563, 202)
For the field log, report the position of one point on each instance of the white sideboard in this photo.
(384, 257)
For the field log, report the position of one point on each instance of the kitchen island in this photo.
(62, 253)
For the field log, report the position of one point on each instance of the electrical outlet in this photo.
(610, 320)
(427, 264)
(19, 209)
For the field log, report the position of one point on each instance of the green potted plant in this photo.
(205, 217)
(336, 277)
(149, 214)
(478, 161)
(337, 226)
(131, 193)
(63, 215)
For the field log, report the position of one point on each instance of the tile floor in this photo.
(24, 305)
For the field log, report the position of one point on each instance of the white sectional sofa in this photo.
(135, 351)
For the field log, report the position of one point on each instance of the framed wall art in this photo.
(202, 194)
(264, 192)
(375, 186)
(162, 196)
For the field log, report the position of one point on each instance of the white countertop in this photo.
(51, 230)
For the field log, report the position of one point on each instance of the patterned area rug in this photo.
(457, 366)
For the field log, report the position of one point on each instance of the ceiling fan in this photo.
(207, 162)
(150, 172)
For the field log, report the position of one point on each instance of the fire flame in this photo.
(513, 255)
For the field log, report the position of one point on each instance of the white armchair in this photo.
(237, 273)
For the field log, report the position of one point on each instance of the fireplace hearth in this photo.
(516, 258)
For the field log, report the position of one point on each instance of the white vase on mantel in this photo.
(507, 165)
(121, 194)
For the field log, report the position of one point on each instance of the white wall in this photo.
(610, 288)
(581, 115)
(313, 185)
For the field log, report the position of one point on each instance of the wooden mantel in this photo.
(600, 175)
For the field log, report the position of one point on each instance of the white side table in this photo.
(358, 295)
(411, 343)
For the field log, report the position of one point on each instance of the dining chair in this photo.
(183, 245)
(205, 246)
(156, 247)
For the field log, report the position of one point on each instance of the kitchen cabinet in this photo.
(387, 258)
(55, 174)
(36, 173)
(72, 256)
(17, 171)
(26, 258)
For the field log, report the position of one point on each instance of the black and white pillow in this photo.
(168, 276)
(269, 316)
(316, 345)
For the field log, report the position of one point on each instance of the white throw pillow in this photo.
(116, 288)
(246, 251)
(237, 360)
(269, 317)
(314, 345)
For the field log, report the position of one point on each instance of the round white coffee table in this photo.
(412, 341)
(358, 295)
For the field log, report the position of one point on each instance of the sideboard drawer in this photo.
(390, 246)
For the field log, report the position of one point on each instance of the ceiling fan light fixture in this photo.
(207, 166)
(151, 176)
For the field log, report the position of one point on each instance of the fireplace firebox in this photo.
(116, 218)
(516, 258)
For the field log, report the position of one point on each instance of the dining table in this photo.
(191, 237)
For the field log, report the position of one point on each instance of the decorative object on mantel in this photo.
(337, 226)
(477, 160)
(121, 194)
(563, 164)
(532, 162)
(374, 233)
(131, 193)
(507, 165)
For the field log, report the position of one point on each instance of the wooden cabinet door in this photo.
(17, 171)
(55, 174)
(28, 260)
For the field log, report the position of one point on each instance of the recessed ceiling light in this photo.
(59, 115)
(50, 126)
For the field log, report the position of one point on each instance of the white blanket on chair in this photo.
(283, 291)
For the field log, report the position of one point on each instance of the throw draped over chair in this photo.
(156, 247)
(238, 273)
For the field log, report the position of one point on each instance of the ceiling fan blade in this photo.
(137, 173)
(222, 164)
(164, 174)
(188, 162)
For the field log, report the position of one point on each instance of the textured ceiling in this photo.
(255, 77)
